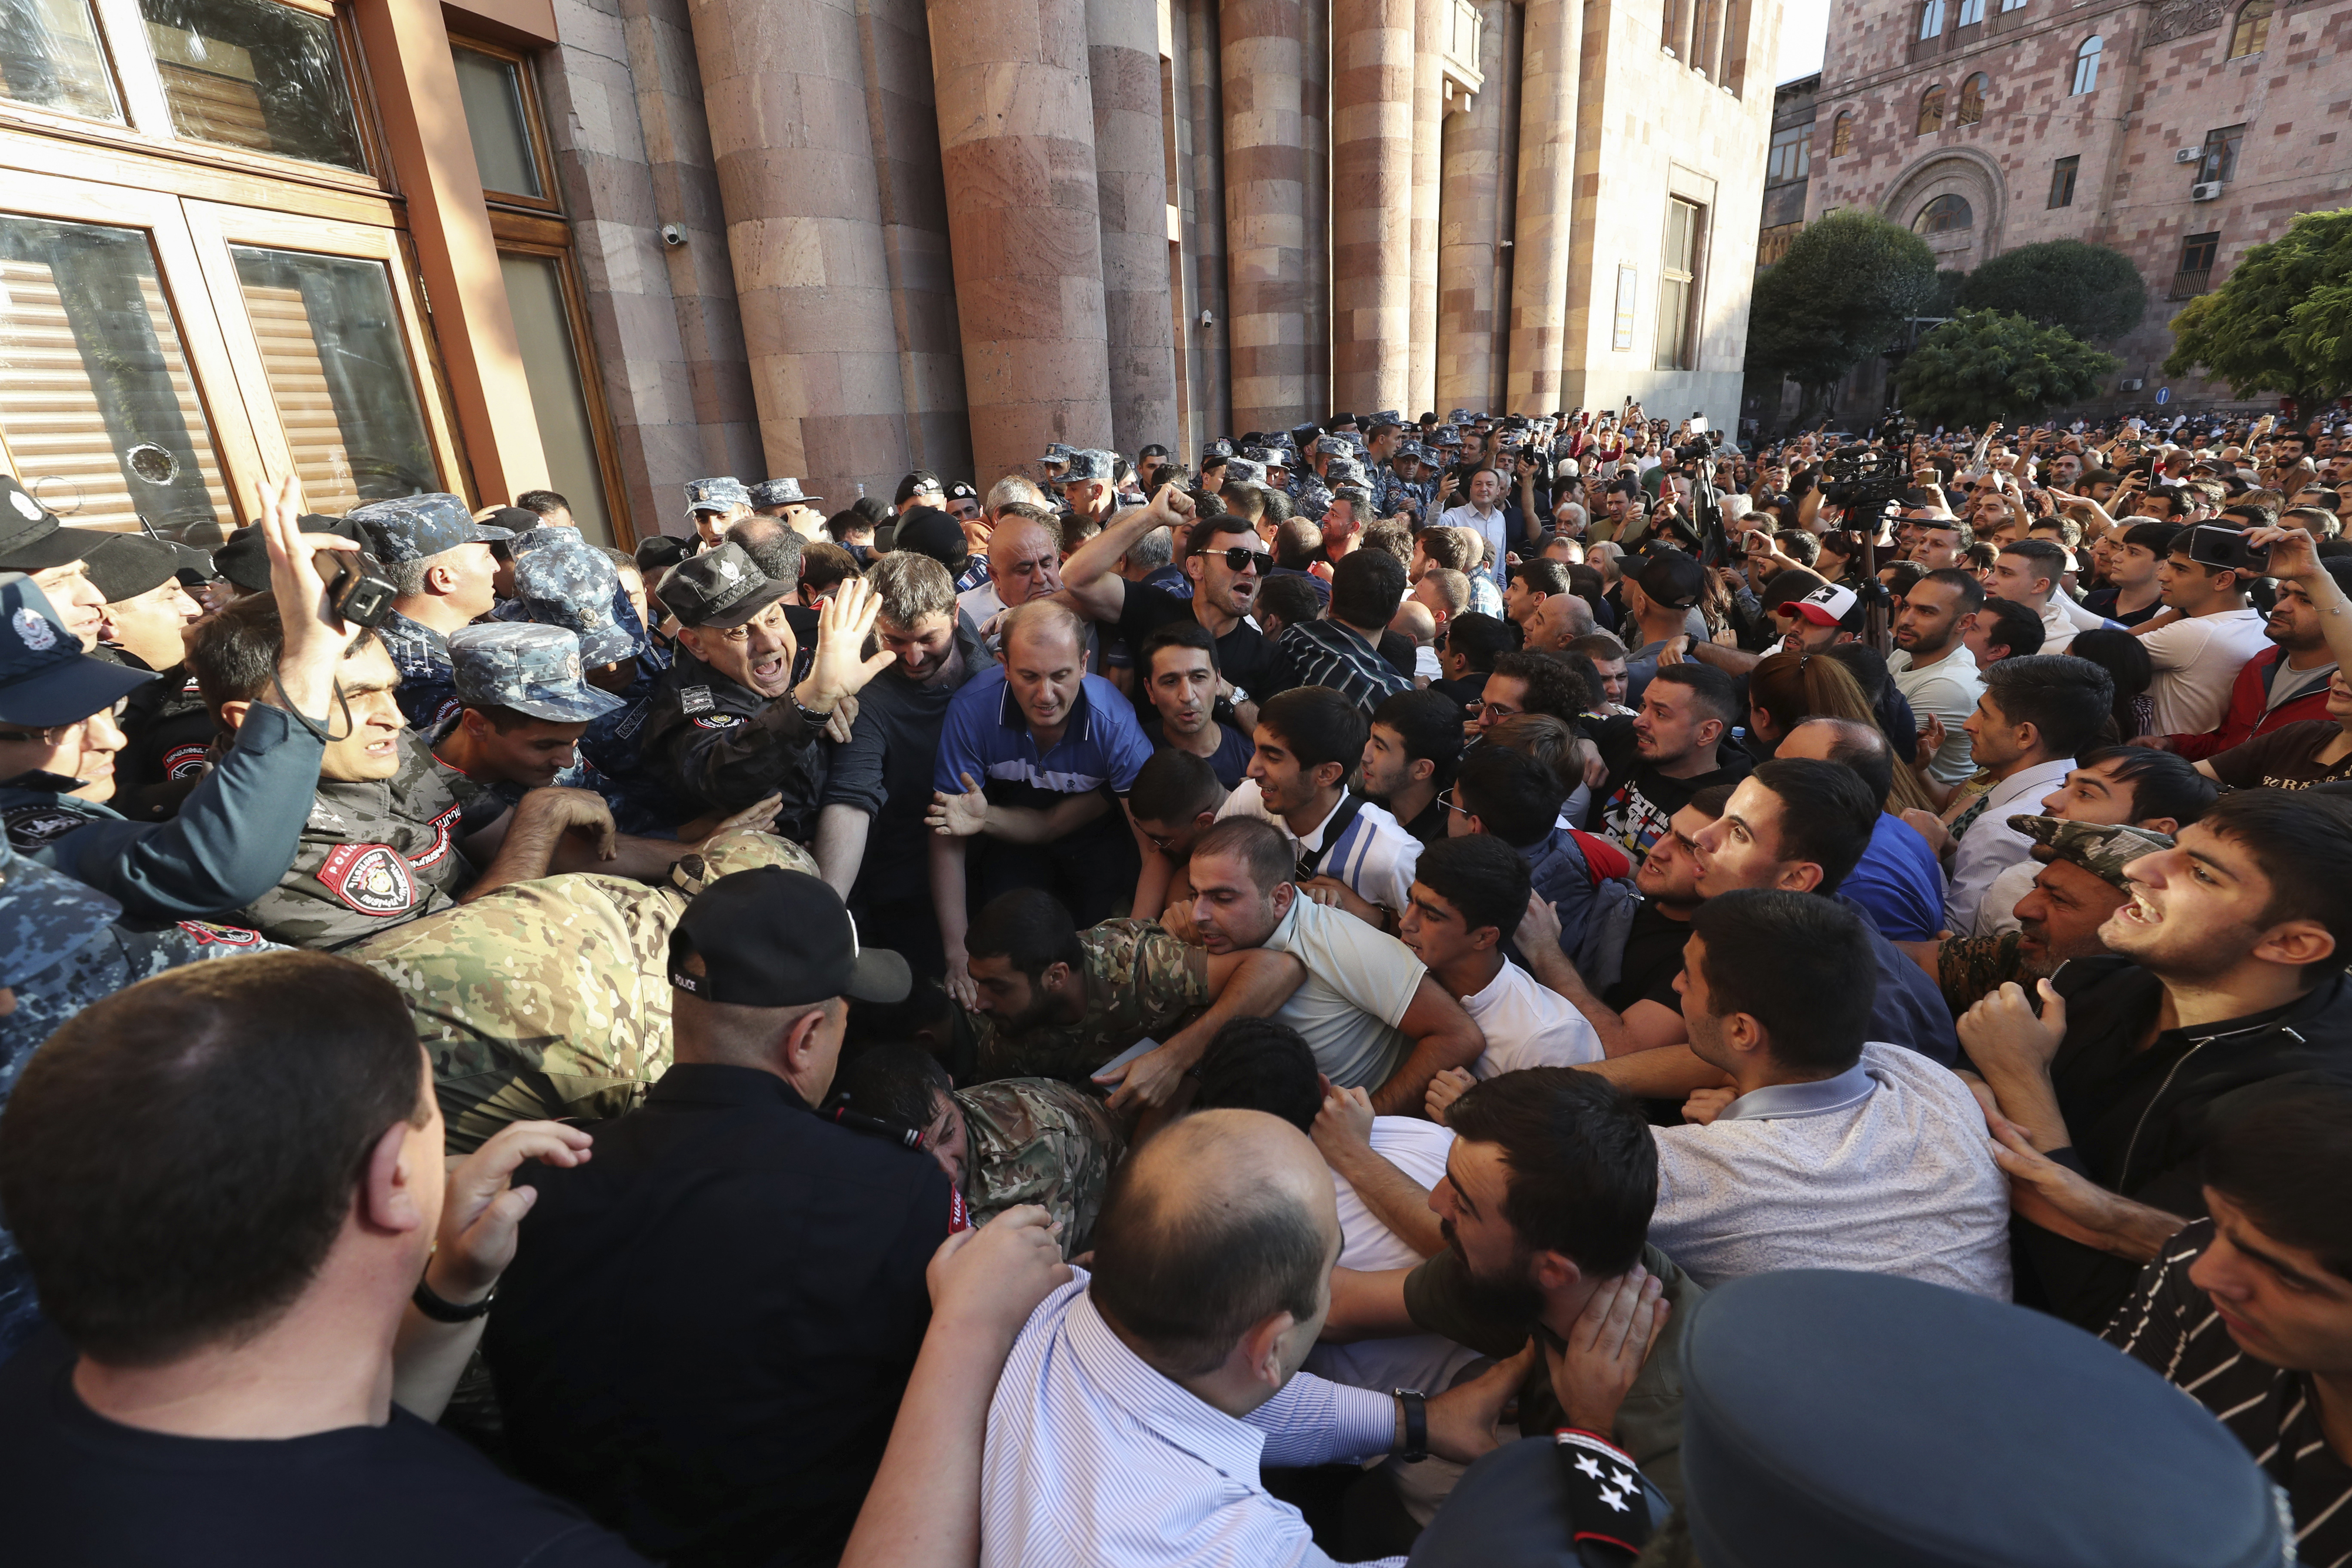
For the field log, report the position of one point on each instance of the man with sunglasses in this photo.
(1226, 562)
(237, 830)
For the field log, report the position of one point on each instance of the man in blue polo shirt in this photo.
(1033, 758)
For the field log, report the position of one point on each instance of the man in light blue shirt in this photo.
(1139, 1402)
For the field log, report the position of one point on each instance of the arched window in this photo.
(1972, 96)
(2252, 31)
(1931, 110)
(2086, 64)
(1841, 135)
(1931, 19)
(1944, 214)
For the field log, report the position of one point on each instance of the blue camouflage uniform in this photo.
(418, 528)
(579, 589)
(60, 950)
(532, 669)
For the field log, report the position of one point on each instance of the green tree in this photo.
(2090, 290)
(1986, 365)
(1838, 297)
(2282, 322)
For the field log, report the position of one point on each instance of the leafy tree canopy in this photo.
(2282, 322)
(1839, 296)
(1988, 365)
(2092, 291)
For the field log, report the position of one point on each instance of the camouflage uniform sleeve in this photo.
(1041, 1141)
(1971, 969)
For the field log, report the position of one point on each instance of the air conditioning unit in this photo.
(2210, 191)
(2187, 154)
(2132, 385)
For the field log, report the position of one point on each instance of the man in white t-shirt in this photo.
(1932, 666)
(1468, 894)
(2199, 639)
(1826, 1152)
(1349, 853)
(1373, 1016)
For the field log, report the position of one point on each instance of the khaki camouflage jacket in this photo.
(1141, 981)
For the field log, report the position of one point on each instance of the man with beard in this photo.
(1932, 666)
(2224, 987)
(2077, 887)
(1545, 1210)
(2286, 682)
(1668, 751)
(870, 830)
(1226, 562)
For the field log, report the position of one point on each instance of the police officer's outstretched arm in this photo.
(238, 829)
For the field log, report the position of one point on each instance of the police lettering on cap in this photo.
(781, 492)
(45, 677)
(573, 586)
(31, 538)
(418, 528)
(530, 668)
(721, 587)
(128, 565)
(776, 938)
(720, 494)
(1833, 1418)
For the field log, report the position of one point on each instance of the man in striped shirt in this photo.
(1342, 651)
(1139, 1402)
(2250, 1311)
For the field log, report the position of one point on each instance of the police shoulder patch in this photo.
(694, 699)
(184, 761)
(373, 879)
(204, 931)
(36, 827)
(720, 721)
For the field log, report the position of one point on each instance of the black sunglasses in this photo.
(1240, 558)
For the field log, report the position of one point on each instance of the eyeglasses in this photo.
(1496, 713)
(1445, 798)
(1240, 558)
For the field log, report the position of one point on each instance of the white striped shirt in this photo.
(1095, 1460)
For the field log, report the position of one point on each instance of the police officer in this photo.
(33, 540)
(526, 701)
(166, 731)
(438, 561)
(237, 831)
(579, 589)
(728, 724)
(713, 504)
(782, 499)
(708, 1328)
(61, 948)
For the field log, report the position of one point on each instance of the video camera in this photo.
(1862, 477)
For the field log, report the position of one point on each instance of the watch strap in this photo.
(447, 1311)
(1416, 1425)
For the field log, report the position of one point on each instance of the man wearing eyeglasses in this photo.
(1226, 562)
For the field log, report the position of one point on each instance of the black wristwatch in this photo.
(1416, 1425)
(443, 1311)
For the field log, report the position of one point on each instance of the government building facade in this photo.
(611, 246)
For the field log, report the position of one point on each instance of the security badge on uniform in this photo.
(373, 879)
(34, 827)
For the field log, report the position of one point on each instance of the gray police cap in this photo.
(781, 492)
(1088, 464)
(572, 587)
(418, 528)
(720, 494)
(528, 667)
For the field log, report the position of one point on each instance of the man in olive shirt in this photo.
(1545, 1208)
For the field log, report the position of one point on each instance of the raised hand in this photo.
(482, 1206)
(841, 668)
(954, 816)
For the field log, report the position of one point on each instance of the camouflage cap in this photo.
(1245, 471)
(45, 917)
(541, 537)
(1332, 445)
(418, 528)
(572, 587)
(1458, 416)
(746, 848)
(1386, 416)
(1088, 464)
(528, 667)
(1447, 435)
(2103, 849)
(721, 587)
(720, 494)
(1346, 471)
(781, 492)
(1056, 453)
(1217, 448)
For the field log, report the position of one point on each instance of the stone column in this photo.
(1469, 256)
(1371, 203)
(1550, 56)
(1265, 215)
(1432, 21)
(1213, 400)
(1017, 149)
(1315, 145)
(1132, 182)
(796, 182)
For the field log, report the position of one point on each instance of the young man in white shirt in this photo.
(1932, 666)
(2031, 572)
(2201, 640)
(1467, 892)
(1826, 1152)
(1350, 854)
(1483, 515)
(2035, 714)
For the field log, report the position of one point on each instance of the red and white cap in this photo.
(1826, 605)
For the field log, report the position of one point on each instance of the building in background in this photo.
(612, 246)
(1787, 168)
(2180, 132)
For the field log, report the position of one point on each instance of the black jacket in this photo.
(2140, 1119)
(718, 747)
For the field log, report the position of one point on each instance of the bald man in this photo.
(1025, 562)
(1139, 1401)
(1035, 759)
(1559, 621)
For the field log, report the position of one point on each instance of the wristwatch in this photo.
(447, 1311)
(1416, 1425)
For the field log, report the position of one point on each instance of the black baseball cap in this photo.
(128, 565)
(721, 587)
(31, 536)
(243, 559)
(927, 530)
(770, 937)
(1672, 580)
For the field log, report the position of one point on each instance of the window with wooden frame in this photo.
(1679, 284)
(1972, 99)
(540, 269)
(1842, 134)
